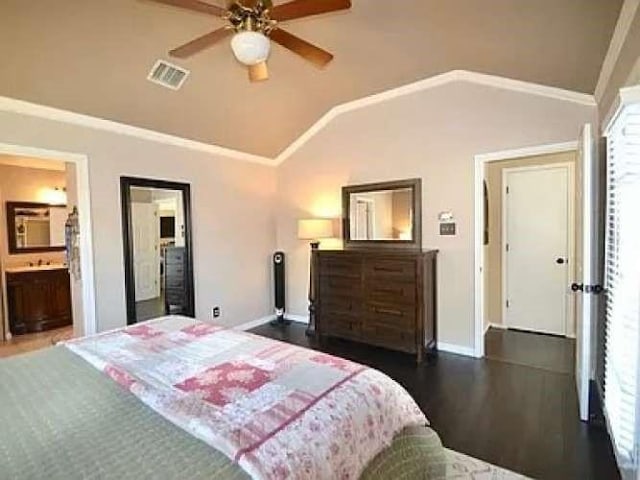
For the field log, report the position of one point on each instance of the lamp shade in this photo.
(315, 228)
(250, 48)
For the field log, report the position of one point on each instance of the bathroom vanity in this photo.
(38, 298)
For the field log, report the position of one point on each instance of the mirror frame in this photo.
(11, 228)
(127, 239)
(414, 184)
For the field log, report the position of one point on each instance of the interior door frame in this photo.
(570, 307)
(88, 325)
(480, 161)
(127, 238)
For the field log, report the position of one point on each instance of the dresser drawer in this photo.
(342, 326)
(390, 269)
(340, 305)
(391, 338)
(348, 266)
(392, 315)
(340, 286)
(389, 291)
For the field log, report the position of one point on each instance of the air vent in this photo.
(168, 75)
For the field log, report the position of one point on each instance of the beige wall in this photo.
(434, 135)
(493, 251)
(232, 212)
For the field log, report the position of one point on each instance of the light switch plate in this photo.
(448, 228)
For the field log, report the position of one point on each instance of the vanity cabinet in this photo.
(38, 300)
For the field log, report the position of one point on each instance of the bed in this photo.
(179, 399)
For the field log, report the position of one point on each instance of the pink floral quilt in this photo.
(278, 410)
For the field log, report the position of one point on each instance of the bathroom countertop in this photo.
(35, 268)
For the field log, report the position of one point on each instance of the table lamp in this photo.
(314, 229)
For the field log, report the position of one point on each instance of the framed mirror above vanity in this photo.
(35, 227)
(383, 215)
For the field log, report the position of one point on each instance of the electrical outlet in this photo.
(216, 312)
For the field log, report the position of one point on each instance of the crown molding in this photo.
(22, 107)
(627, 96)
(625, 19)
(432, 82)
(50, 113)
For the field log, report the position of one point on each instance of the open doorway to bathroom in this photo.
(38, 307)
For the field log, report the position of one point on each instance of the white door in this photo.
(146, 251)
(364, 220)
(536, 231)
(587, 268)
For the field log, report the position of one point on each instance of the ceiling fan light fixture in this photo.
(250, 48)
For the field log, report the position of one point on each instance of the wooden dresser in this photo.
(380, 297)
(175, 281)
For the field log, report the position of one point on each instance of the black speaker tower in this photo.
(279, 289)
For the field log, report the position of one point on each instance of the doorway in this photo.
(77, 264)
(156, 219)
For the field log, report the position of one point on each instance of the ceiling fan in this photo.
(253, 24)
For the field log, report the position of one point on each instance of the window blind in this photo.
(622, 283)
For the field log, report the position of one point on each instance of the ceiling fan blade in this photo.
(259, 72)
(305, 8)
(200, 43)
(196, 5)
(306, 50)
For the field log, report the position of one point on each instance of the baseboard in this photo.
(298, 318)
(457, 349)
(261, 321)
(254, 323)
(499, 326)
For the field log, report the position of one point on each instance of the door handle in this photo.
(560, 261)
(577, 287)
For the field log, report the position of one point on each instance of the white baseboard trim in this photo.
(500, 326)
(457, 349)
(254, 323)
(298, 318)
(261, 321)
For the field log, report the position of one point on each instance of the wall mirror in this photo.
(158, 258)
(386, 214)
(35, 227)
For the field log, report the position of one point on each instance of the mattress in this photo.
(60, 418)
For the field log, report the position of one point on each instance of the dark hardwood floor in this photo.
(519, 417)
(529, 349)
(148, 309)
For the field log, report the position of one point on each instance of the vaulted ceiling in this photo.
(93, 57)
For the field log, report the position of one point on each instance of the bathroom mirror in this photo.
(35, 227)
(386, 214)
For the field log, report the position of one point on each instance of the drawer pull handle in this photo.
(388, 311)
(397, 291)
(387, 269)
